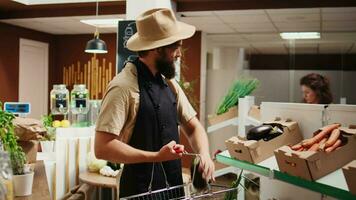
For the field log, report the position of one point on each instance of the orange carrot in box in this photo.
(334, 146)
(322, 144)
(322, 134)
(296, 146)
(314, 147)
(301, 149)
(307, 142)
(333, 138)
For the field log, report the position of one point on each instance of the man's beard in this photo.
(166, 68)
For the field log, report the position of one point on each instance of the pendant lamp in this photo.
(96, 45)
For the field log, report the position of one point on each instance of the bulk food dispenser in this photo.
(79, 105)
(59, 100)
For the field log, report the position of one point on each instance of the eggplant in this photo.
(199, 182)
(266, 132)
(259, 132)
(273, 134)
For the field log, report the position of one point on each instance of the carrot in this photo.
(333, 138)
(314, 147)
(307, 143)
(300, 149)
(322, 144)
(334, 146)
(296, 147)
(323, 133)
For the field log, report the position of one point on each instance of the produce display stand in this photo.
(310, 117)
(334, 184)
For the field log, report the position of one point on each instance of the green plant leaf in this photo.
(9, 140)
(240, 88)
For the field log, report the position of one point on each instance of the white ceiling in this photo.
(62, 25)
(257, 30)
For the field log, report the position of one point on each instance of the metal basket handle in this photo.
(152, 173)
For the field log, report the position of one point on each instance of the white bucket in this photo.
(23, 184)
(47, 146)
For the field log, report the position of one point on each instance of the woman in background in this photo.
(316, 89)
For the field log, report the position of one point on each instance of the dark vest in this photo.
(156, 125)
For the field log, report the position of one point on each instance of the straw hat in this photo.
(157, 28)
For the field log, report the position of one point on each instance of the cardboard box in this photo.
(214, 119)
(312, 165)
(255, 112)
(256, 151)
(350, 176)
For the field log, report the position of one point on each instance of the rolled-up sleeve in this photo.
(114, 111)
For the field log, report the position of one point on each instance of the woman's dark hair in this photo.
(320, 85)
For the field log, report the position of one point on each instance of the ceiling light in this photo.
(39, 2)
(102, 23)
(300, 35)
(96, 45)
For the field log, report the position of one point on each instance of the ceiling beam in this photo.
(64, 10)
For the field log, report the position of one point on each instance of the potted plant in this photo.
(47, 141)
(23, 176)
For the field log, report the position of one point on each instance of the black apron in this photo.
(156, 125)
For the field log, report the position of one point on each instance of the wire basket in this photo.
(213, 191)
(173, 193)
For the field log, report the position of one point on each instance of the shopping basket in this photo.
(213, 191)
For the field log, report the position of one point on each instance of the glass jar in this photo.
(59, 100)
(94, 111)
(6, 185)
(79, 99)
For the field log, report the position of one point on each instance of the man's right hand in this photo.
(170, 151)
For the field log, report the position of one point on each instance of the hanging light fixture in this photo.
(96, 45)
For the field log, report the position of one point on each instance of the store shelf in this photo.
(232, 121)
(225, 170)
(333, 184)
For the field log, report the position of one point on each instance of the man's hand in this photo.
(170, 151)
(207, 166)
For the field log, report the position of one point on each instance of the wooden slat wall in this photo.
(94, 74)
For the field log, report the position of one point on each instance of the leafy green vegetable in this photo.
(9, 141)
(232, 195)
(94, 164)
(239, 89)
(47, 121)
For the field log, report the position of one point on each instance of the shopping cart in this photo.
(213, 191)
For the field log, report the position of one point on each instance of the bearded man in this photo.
(143, 107)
